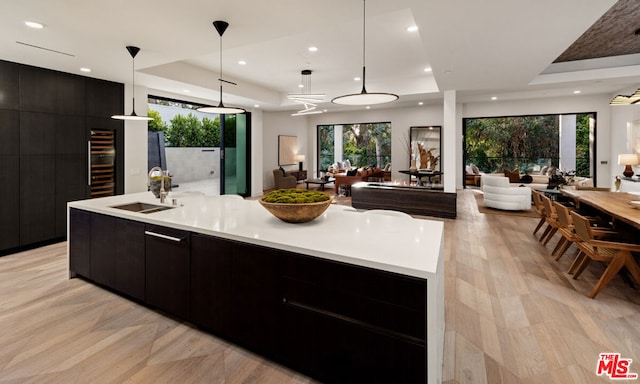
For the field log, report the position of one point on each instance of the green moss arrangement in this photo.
(295, 196)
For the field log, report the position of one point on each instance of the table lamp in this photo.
(301, 159)
(628, 159)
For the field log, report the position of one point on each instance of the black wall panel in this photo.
(50, 91)
(37, 198)
(9, 203)
(104, 98)
(9, 132)
(9, 86)
(45, 122)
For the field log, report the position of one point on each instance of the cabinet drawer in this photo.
(336, 351)
(382, 302)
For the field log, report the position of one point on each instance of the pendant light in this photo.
(133, 51)
(306, 98)
(221, 26)
(365, 98)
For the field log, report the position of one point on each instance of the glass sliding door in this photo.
(235, 159)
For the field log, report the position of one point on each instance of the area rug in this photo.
(484, 209)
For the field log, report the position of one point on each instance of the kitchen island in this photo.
(348, 297)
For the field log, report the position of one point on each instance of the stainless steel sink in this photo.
(142, 207)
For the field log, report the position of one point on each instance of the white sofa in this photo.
(499, 194)
(541, 181)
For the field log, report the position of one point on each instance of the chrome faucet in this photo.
(163, 193)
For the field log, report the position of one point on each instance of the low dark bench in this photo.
(404, 198)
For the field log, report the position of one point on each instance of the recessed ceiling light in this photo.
(576, 92)
(84, 69)
(494, 98)
(300, 85)
(34, 24)
(421, 103)
(313, 49)
(256, 105)
(324, 110)
(368, 107)
(427, 69)
(242, 62)
(412, 28)
(186, 91)
(356, 79)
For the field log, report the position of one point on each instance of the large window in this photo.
(366, 144)
(529, 143)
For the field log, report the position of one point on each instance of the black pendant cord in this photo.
(220, 79)
(364, 44)
(133, 85)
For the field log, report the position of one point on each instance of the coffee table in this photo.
(321, 182)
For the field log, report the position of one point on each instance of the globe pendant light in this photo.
(133, 51)
(365, 98)
(221, 26)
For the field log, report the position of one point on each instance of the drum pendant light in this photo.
(365, 98)
(133, 51)
(221, 26)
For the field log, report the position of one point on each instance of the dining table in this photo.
(618, 205)
(419, 174)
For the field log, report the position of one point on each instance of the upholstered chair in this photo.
(498, 194)
(284, 181)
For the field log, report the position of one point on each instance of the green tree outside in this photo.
(495, 144)
(185, 131)
(157, 124)
(211, 132)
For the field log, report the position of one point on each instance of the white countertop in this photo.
(396, 244)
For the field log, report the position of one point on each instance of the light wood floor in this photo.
(512, 316)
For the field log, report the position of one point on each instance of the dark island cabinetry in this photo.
(234, 291)
(332, 312)
(334, 321)
(109, 251)
(167, 269)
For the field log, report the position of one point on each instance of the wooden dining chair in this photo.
(551, 218)
(539, 208)
(617, 254)
(567, 230)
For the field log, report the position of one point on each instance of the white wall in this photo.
(257, 152)
(135, 142)
(621, 116)
(282, 123)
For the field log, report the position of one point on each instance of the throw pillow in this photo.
(475, 170)
(347, 164)
(352, 172)
(283, 172)
(526, 179)
(544, 170)
(514, 176)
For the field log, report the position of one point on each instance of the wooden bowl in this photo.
(296, 213)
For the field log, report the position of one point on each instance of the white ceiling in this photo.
(487, 48)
